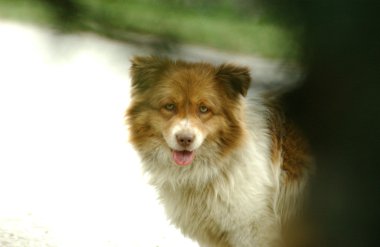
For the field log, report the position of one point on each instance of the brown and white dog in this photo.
(229, 169)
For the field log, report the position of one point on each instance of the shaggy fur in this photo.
(229, 169)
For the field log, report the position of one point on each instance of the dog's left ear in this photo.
(236, 78)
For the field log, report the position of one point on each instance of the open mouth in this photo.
(183, 158)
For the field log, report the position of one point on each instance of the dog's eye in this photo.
(203, 109)
(170, 107)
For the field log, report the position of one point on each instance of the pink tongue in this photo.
(183, 158)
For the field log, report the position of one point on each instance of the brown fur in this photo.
(295, 150)
(207, 199)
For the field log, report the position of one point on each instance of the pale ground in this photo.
(68, 177)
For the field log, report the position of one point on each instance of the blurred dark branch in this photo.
(67, 13)
(71, 16)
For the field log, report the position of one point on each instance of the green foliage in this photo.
(228, 25)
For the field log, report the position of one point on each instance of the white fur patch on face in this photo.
(184, 127)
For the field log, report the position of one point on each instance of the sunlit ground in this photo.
(68, 176)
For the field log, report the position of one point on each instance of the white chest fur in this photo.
(240, 202)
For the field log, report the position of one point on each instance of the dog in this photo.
(229, 168)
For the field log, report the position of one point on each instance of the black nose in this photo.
(185, 139)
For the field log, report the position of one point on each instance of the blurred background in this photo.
(68, 174)
(238, 26)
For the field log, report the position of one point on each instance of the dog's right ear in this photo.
(147, 70)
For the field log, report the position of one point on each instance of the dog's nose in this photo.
(185, 139)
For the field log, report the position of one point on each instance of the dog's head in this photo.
(181, 110)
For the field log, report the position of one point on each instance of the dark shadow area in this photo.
(338, 107)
